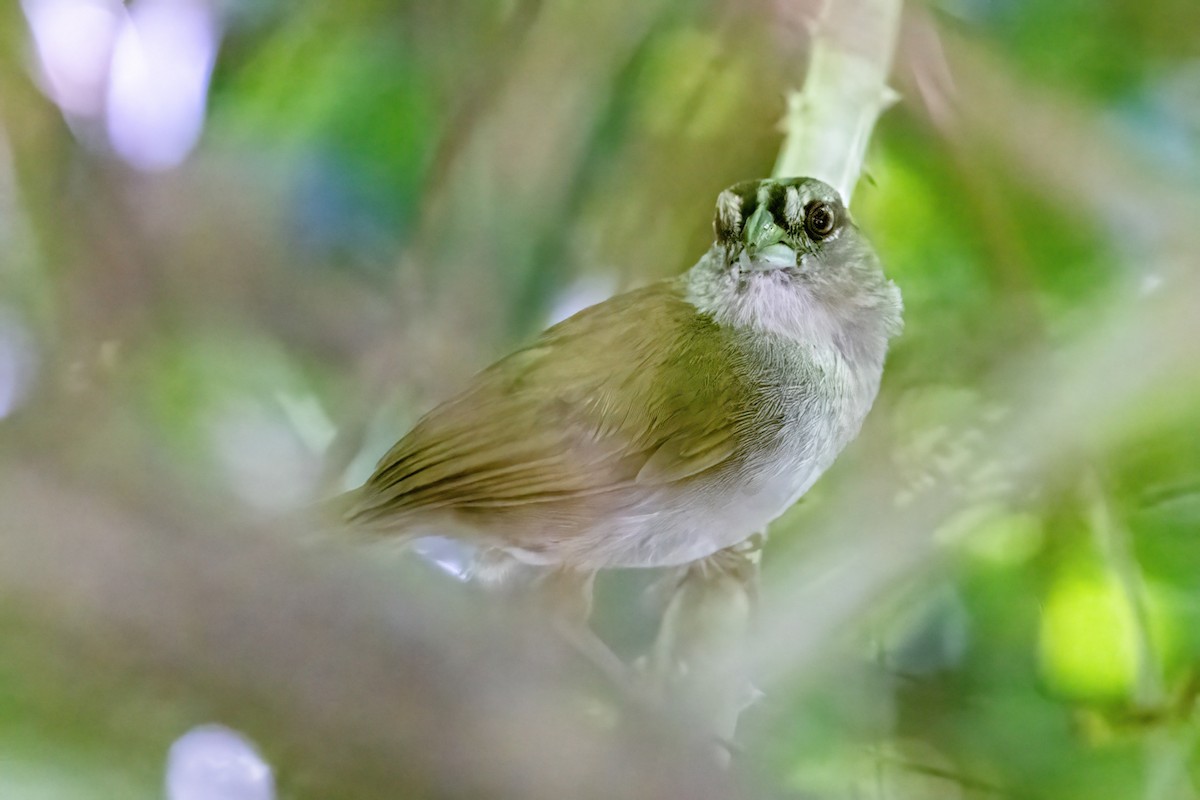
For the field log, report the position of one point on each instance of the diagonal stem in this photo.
(828, 125)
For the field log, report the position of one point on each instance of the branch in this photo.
(828, 125)
(357, 684)
(829, 122)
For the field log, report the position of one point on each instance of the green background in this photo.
(388, 195)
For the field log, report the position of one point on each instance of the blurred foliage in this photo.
(389, 195)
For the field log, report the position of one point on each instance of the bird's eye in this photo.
(819, 220)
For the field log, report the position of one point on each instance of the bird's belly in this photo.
(696, 523)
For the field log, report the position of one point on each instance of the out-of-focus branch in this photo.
(1062, 149)
(357, 684)
(1112, 541)
(1167, 754)
(828, 125)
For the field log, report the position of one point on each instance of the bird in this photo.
(665, 424)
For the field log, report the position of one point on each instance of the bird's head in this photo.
(788, 247)
(780, 224)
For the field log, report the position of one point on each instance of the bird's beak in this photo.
(761, 230)
(767, 245)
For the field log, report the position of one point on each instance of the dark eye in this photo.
(819, 220)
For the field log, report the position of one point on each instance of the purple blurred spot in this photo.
(74, 41)
(158, 81)
(212, 762)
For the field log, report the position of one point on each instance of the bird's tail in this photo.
(349, 511)
(337, 511)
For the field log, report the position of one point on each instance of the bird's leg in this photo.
(697, 653)
(563, 595)
(566, 594)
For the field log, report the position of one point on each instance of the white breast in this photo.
(679, 526)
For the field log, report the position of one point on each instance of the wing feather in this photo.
(580, 413)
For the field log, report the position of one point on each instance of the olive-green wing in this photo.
(638, 390)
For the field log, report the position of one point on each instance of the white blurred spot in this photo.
(74, 40)
(266, 463)
(584, 292)
(17, 362)
(308, 419)
(158, 81)
(1151, 282)
(212, 762)
(449, 555)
